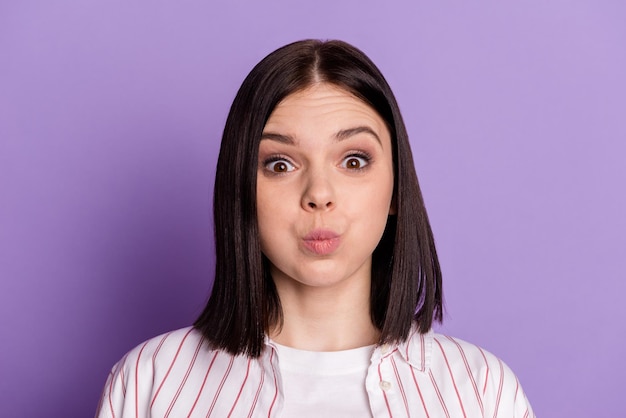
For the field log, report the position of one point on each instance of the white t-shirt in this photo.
(333, 381)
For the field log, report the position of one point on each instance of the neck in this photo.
(325, 318)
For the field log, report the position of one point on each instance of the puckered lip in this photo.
(321, 241)
(320, 235)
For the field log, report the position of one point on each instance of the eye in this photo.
(279, 166)
(355, 161)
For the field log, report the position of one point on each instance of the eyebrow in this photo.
(285, 139)
(339, 136)
(347, 133)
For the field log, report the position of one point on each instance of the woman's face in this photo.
(324, 187)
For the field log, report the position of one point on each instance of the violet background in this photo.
(110, 120)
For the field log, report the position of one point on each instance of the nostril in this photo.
(312, 205)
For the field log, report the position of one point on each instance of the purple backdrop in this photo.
(110, 119)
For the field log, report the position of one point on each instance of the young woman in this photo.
(327, 280)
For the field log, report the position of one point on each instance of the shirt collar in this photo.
(417, 349)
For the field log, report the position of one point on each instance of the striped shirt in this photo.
(429, 375)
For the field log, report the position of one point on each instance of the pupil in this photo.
(353, 163)
(280, 167)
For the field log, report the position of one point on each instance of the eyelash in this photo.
(274, 159)
(359, 154)
(281, 158)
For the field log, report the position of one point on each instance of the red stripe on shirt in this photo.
(269, 413)
(419, 392)
(469, 373)
(182, 383)
(221, 385)
(111, 400)
(495, 414)
(456, 389)
(180, 346)
(256, 396)
(486, 368)
(206, 375)
(438, 392)
(395, 370)
(240, 389)
(137, 380)
(156, 351)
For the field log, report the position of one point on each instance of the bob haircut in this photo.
(406, 276)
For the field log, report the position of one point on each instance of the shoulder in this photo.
(155, 357)
(166, 345)
(468, 365)
(484, 372)
(148, 378)
(158, 349)
(432, 351)
(451, 350)
(466, 360)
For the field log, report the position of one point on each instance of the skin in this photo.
(324, 192)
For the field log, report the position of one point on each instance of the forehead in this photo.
(324, 106)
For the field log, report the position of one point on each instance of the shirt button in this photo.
(384, 385)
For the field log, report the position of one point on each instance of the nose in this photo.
(318, 193)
